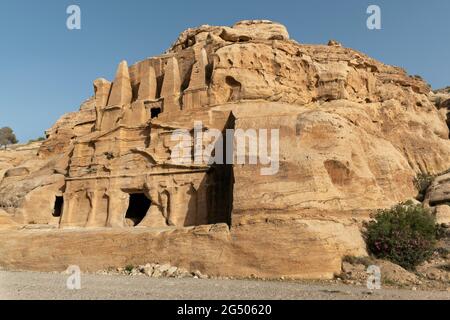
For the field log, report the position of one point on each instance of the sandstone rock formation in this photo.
(441, 99)
(438, 195)
(353, 134)
(438, 198)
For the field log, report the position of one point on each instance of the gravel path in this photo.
(31, 285)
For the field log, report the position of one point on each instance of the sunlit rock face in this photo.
(353, 134)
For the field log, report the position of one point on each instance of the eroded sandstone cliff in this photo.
(353, 134)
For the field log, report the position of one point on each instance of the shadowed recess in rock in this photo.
(137, 209)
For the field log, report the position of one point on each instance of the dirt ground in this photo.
(52, 286)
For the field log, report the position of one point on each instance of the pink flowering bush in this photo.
(404, 234)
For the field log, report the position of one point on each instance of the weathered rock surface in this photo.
(298, 249)
(443, 214)
(440, 190)
(441, 98)
(353, 134)
(438, 198)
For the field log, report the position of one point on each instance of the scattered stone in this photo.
(164, 268)
(157, 273)
(199, 275)
(147, 269)
(171, 271)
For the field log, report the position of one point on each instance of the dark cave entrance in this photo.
(221, 195)
(59, 203)
(137, 209)
(154, 112)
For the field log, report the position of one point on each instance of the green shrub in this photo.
(404, 234)
(36, 140)
(129, 268)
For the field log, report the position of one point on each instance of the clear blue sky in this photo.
(47, 70)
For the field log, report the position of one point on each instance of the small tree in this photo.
(7, 137)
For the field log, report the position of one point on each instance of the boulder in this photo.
(439, 191)
(443, 214)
